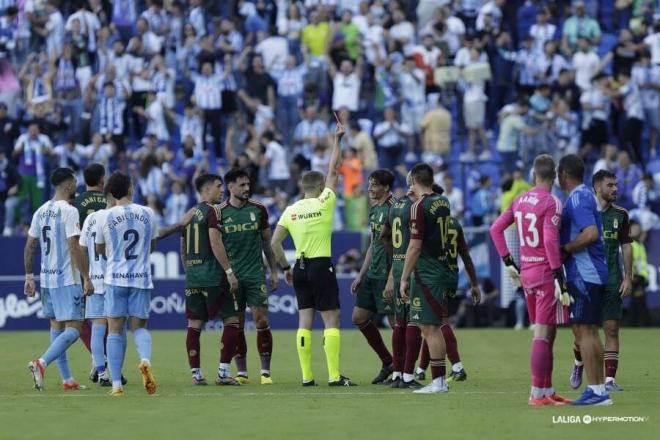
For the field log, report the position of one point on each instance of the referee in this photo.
(309, 222)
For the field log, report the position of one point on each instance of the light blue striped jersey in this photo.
(127, 231)
(580, 212)
(96, 261)
(53, 224)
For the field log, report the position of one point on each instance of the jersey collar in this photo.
(389, 198)
(576, 189)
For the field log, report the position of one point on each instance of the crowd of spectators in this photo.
(167, 89)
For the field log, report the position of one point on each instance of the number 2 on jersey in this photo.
(127, 253)
(530, 237)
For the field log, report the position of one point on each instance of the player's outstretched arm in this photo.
(332, 178)
(278, 251)
(176, 227)
(28, 258)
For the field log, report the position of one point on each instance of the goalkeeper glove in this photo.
(512, 270)
(561, 291)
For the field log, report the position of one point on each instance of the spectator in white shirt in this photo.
(412, 84)
(151, 42)
(275, 161)
(391, 137)
(309, 132)
(196, 17)
(176, 204)
(542, 31)
(634, 124)
(474, 110)
(208, 97)
(346, 83)
(71, 155)
(647, 78)
(289, 97)
(192, 125)
(549, 63)
(426, 57)
(89, 24)
(274, 49)
(53, 31)
(455, 196)
(98, 151)
(492, 8)
(586, 64)
(401, 35)
(595, 104)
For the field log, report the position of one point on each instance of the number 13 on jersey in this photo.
(528, 236)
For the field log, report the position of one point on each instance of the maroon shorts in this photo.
(543, 307)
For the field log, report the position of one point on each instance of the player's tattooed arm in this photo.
(183, 252)
(28, 257)
(28, 254)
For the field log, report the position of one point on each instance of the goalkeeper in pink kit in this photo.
(537, 216)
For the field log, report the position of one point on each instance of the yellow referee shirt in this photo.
(309, 222)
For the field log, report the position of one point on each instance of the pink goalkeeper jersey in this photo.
(537, 214)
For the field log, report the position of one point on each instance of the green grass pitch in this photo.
(492, 404)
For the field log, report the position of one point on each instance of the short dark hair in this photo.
(61, 175)
(383, 177)
(423, 174)
(311, 180)
(573, 165)
(204, 179)
(234, 174)
(601, 175)
(119, 184)
(544, 167)
(437, 189)
(93, 174)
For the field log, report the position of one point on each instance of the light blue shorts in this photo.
(121, 302)
(63, 303)
(95, 306)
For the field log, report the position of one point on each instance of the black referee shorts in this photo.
(315, 283)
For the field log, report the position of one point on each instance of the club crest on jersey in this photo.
(381, 217)
(253, 217)
(615, 223)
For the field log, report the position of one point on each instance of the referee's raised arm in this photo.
(332, 178)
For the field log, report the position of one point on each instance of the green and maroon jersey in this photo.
(399, 223)
(616, 232)
(429, 222)
(241, 234)
(202, 268)
(380, 261)
(89, 202)
(456, 245)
